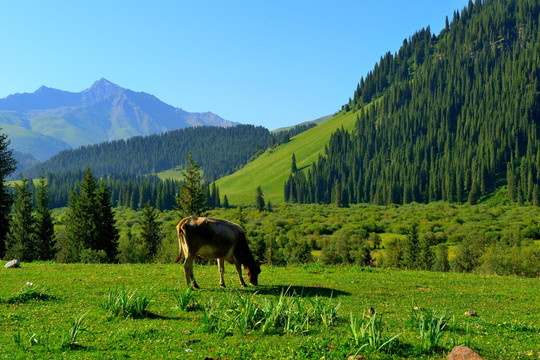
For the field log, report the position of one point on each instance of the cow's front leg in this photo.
(188, 271)
(221, 267)
(239, 270)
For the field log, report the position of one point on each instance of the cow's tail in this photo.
(180, 233)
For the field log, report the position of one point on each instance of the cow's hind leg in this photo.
(239, 270)
(188, 271)
(221, 267)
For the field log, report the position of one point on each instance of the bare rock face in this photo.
(463, 353)
(13, 264)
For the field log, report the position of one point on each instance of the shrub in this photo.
(89, 256)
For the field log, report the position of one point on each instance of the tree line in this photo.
(449, 117)
(218, 150)
(90, 233)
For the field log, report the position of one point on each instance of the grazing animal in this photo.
(215, 239)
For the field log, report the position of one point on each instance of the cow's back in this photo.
(213, 238)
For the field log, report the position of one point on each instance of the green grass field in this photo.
(271, 169)
(507, 325)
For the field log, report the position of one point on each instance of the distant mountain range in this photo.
(45, 122)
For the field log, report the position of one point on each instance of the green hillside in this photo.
(451, 117)
(271, 170)
(25, 140)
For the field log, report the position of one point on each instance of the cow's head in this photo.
(252, 272)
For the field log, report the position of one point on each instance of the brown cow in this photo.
(215, 239)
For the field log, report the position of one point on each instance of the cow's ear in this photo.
(259, 262)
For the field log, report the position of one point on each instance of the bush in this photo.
(502, 259)
(89, 256)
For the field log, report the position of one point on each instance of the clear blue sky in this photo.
(270, 63)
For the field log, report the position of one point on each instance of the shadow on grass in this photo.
(151, 315)
(294, 290)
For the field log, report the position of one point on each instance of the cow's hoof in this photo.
(222, 285)
(195, 285)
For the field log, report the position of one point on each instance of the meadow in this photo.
(50, 310)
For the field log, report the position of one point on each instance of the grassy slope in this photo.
(506, 328)
(272, 169)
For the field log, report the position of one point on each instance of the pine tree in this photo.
(91, 234)
(150, 231)
(410, 249)
(21, 241)
(191, 199)
(7, 166)
(440, 262)
(44, 221)
(425, 254)
(107, 233)
(294, 169)
(259, 199)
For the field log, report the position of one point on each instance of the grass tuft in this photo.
(30, 292)
(186, 301)
(70, 338)
(368, 334)
(122, 302)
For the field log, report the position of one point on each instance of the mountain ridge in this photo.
(103, 112)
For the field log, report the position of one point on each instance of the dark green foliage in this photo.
(411, 248)
(150, 231)
(259, 199)
(192, 196)
(294, 169)
(7, 166)
(219, 152)
(394, 254)
(467, 256)
(91, 234)
(22, 239)
(44, 222)
(132, 191)
(456, 116)
(440, 261)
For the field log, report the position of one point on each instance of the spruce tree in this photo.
(7, 166)
(411, 248)
(294, 169)
(440, 262)
(44, 221)
(425, 254)
(21, 241)
(91, 233)
(191, 199)
(150, 232)
(259, 199)
(107, 236)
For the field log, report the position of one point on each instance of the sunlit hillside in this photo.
(271, 169)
